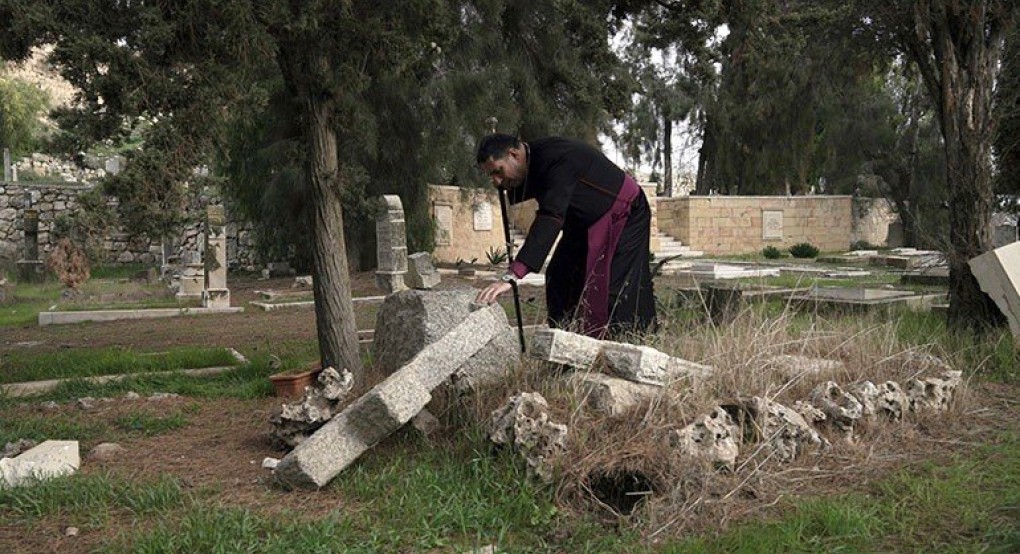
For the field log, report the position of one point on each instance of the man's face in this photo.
(509, 171)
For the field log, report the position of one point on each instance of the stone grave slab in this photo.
(998, 275)
(50, 459)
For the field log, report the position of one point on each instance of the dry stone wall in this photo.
(52, 200)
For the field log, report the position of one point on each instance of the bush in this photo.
(771, 252)
(804, 250)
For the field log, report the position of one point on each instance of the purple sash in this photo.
(603, 237)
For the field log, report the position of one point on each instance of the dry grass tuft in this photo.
(623, 469)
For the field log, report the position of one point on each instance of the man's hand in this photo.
(489, 294)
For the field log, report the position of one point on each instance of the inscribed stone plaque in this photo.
(772, 225)
(444, 223)
(483, 216)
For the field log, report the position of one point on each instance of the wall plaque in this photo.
(483, 215)
(772, 225)
(443, 214)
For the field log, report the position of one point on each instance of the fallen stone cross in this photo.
(637, 363)
(390, 404)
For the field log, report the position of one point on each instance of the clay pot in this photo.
(292, 383)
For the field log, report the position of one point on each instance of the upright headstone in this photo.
(391, 245)
(30, 268)
(216, 294)
(192, 279)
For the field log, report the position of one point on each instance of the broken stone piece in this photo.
(422, 274)
(388, 405)
(563, 347)
(711, 437)
(610, 395)
(425, 423)
(840, 408)
(523, 424)
(785, 432)
(298, 420)
(811, 414)
(934, 393)
(644, 364)
(15, 448)
(48, 460)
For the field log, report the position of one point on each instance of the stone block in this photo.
(422, 273)
(410, 320)
(711, 438)
(644, 364)
(388, 405)
(563, 347)
(48, 460)
(610, 395)
(998, 274)
(390, 282)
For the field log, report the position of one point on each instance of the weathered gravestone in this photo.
(390, 404)
(410, 320)
(422, 273)
(391, 245)
(30, 268)
(216, 294)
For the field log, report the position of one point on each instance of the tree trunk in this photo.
(334, 309)
(959, 71)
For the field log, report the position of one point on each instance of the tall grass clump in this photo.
(664, 494)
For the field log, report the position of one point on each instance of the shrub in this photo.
(70, 264)
(804, 250)
(771, 252)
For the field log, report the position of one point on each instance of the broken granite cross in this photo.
(390, 404)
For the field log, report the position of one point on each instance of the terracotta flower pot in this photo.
(292, 383)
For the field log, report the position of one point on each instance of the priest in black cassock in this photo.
(598, 281)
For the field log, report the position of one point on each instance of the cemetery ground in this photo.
(190, 478)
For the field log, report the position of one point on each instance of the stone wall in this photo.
(467, 223)
(54, 199)
(721, 225)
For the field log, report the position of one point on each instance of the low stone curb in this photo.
(17, 390)
(61, 318)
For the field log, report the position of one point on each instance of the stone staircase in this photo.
(664, 247)
(669, 247)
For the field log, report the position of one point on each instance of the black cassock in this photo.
(598, 281)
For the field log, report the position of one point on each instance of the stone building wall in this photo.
(467, 223)
(720, 225)
(54, 199)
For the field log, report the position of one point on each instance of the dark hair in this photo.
(495, 146)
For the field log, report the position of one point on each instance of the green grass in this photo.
(964, 504)
(19, 366)
(30, 300)
(90, 499)
(151, 425)
(49, 427)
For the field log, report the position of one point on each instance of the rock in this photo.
(50, 405)
(811, 414)
(302, 281)
(425, 423)
(163, 396)
(934, 393)
(610, 395)
(71, 532)
(523, 424)
(841, 409)
(47, 460)
(131, 395)
(12, 449)
(887, 399)
(786, 433)
(298, 420)
(270, 463)
(104, 452)
(711, 438)
(86, 403)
